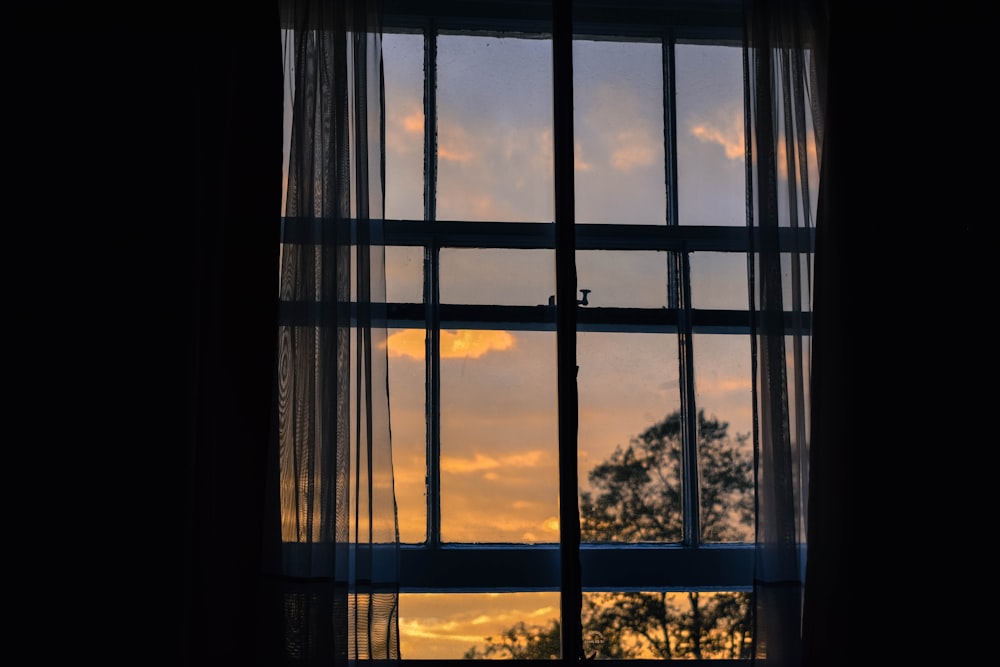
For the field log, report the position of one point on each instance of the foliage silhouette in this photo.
(521, 642)
(636, 496)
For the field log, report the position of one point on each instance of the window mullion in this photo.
(679, 297)
(432, 294)
(571, 594)
(670, 156)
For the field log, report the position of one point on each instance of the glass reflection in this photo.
(618, 123)
(402, 62)
(436, 626)
(408, 419)
(499, 277)
(667, 625)
(628, 437)
(725, 458)
(494, 139)
(623, 278)
(719, 280)
(711, 172)
(404, 274)
(499, 437)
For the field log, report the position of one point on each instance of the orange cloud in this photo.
(464, 343)
(414, 122)
(406, 343)
(727, 131)
(405, 129)
(457, 464)
(525, 460)
(436, 626)
(712, 385)
(460, 344)
(729, 135)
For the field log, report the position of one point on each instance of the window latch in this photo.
(581, 302)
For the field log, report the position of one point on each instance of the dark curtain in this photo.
(236, 80)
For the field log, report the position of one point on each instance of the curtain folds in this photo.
(784, 78)
(338, 563)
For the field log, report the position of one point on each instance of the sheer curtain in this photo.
(785, 57)
(338, 562)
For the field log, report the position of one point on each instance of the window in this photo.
(663, 328)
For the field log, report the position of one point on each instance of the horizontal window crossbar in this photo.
(541, 235)
(615, 567)
(532, 318)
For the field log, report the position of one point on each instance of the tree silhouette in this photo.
(521, 642)
(636, 496)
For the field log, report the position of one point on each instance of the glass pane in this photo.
(711, 172)
(435, 626)
(623, 278)
(618, 123)
(722, 381)
(409, 432)
(404, 274)
(497, 276)
(499, 437)
(403, 66)
(629, 437)
(719, 280)
(494, 140)
(667, 625)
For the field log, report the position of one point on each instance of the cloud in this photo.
(717, 385)
(416, 629)
(413, 122)
(465, 343)
(479, 462)
(405, 131)
(726, 130)
(457, 464)
(525, 460)
(549, 526)
(443, 626)
(636, 150)
(454, 144)
(459, 344)
(544, 161)
(406, 343)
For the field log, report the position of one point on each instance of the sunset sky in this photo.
(498, 388)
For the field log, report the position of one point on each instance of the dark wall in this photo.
(142, 189)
